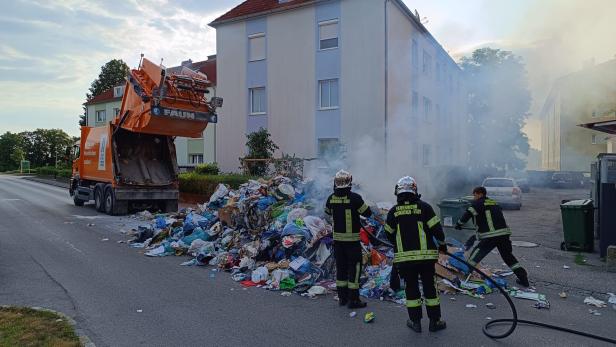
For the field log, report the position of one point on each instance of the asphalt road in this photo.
(54, 255)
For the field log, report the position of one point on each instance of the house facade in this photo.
(363, 73)
(584, 97)
(104, 107)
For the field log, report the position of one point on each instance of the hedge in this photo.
(195, 183)
(52, 171)
(207, 169)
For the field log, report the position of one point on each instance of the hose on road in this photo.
(515, 320)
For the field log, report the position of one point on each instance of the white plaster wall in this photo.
(362, 93)
(231, 85)
(291, 81)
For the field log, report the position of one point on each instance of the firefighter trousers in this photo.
(348, 266)
(411, 272)
(502, 243)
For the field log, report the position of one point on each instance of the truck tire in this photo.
(109, 200)
(114, 207)
(77, 201)
(99, 198)
(170, 206)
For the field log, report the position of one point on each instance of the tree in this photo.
(10, 148)
(113, 73)
(499, 101)
(260, 146)
(46, 147)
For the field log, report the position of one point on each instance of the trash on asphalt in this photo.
(471, 306)
(528, 295)
(273, 234)
(524, 244)
(369, 317)
(563, 295)
(352, 314)
(594, 302)
(594, 312)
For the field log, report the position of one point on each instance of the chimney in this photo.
(187, 63)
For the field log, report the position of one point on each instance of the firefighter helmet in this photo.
(343, 179)
(406, 184)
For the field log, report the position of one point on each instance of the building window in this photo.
(100, 116)
(415, 104)
(427, 63)
(594, 139)
(118, 91)
(116, 111)
(328, 94)
(257, 101)
(328, 34)
(427, 108)
(256, 47)
(328, 147)
(426, 155)
(196, 158)
(415, 54)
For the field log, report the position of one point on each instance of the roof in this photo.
(252, 8)
(106, 96)
(608, 127)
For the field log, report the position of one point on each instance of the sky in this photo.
(50, 51)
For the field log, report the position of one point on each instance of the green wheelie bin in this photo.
(451, 211)
(578, 224)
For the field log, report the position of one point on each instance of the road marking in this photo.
(11, 199)
(73, 247)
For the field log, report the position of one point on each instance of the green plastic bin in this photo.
(578, 224)
(451, 211)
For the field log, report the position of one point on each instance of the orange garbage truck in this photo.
(132, 159)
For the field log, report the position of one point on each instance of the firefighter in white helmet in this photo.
(345, 207)
(416, 233)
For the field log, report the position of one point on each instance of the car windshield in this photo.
(498, 182)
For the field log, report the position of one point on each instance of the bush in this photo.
(47, 171)
(194, 183)
(207, 169)
(52, 171)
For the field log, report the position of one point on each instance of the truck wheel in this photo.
(77, 201)
(170, 206)
(99, 201)
(109, 200)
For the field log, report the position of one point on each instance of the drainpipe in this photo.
(386, 81)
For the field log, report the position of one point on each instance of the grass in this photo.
(22, 326)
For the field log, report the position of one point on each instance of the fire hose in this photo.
(514, 320)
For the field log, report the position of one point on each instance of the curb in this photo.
(47, 181)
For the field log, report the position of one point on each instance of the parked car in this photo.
(505, 191)
(523, 184)
(562, 180)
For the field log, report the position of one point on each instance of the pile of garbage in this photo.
(274, 234)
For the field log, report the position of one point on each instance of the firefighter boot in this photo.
(354, 301)
(522, 277)
(415, 325)
(343, 296)
(437, 324)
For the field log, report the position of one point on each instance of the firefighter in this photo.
(492, 231)
(345, 207)
(416, 233)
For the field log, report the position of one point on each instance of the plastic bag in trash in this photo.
(287, 284)
(221, 192)
(315, 224)
(197, 234)
(457, 264)
(296, 213)
(259, 274)
(316, 290)
(294, 230)
(161, 222)
(287, 190)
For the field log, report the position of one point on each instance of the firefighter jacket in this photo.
(414, 230)
(345, 207)
(488, 218)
